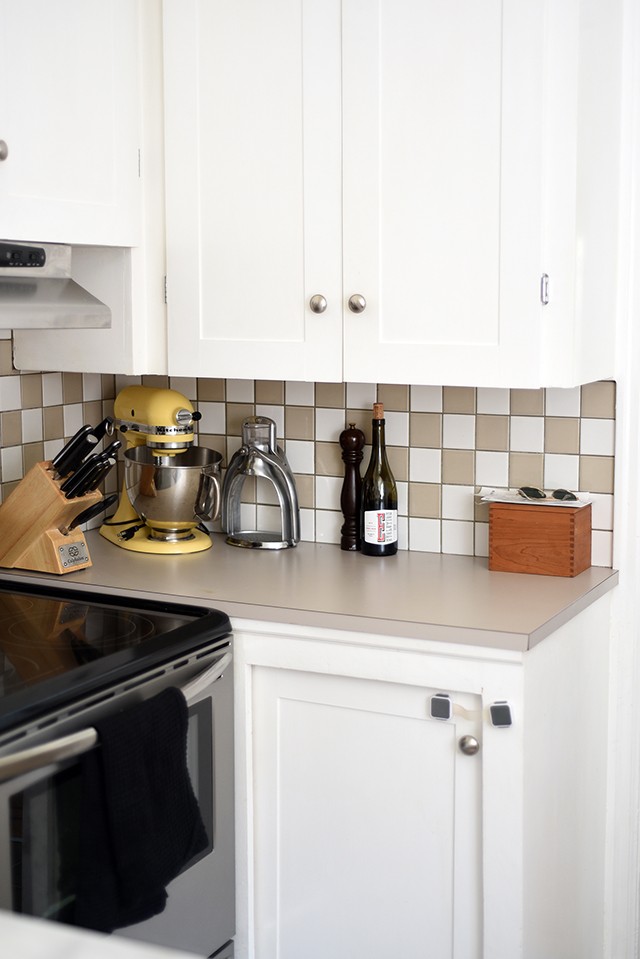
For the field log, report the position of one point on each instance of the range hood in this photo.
(38, 292)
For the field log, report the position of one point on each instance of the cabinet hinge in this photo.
(544, 289)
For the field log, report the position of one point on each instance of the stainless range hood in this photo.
(38, 292)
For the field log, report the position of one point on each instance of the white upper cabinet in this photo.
(69, 116)
(428, 164)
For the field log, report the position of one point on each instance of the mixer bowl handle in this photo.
(207, 505)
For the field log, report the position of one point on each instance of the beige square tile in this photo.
(269, 392)
(156, 381)
(492, 432)
(299, 422)
(425, 430)
(330, 395)
(398, 457)
(598, 400)
(92, 412)
(527, 402)
(236, 413)
(11, 428)
(561, 434)
(72, 388)
(32, 453)
(52, 423)
(31, 387)
(597, 474)
(424, 500)
(305, 488)
(329, 460)
(526, 469)
(210, 390)
(6, 357)
(394, 397)
(8, 488)
(459, 399)
(458, 467)
(108, 386)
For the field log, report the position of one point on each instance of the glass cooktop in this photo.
(56, 645)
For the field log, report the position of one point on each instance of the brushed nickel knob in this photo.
(317, 303)
(469, 745)
(357, 303)
(4, 150)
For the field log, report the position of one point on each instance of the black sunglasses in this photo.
(533, 493)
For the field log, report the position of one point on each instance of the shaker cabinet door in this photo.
(442, 213)
(367, 821)
(253, 188)
(69, 119)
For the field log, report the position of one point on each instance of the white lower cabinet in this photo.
(369, 829)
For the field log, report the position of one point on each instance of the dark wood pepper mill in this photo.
(352, 443)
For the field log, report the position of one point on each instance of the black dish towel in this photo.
(140, 820)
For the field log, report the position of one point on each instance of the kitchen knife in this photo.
(105, 428)
(94, 481)
(78, 480)
(73, 452)
(92, 511)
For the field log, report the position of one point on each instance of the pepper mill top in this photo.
(352, 440)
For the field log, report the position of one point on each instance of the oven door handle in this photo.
(81, 742)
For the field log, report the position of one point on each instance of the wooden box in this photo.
(548, 540)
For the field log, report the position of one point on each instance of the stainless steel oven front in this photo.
(40, 776)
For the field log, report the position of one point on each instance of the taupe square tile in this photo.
(527, 402)
(236, 413)
(108, 381)
(32, 453)
(597, 474)
(52, 423)
(6, 357)
(424, 500)
(156, 381)
(211, 390)
(331, 395)
(329, 460)
(394, 397)
(492, 432)
(72, 391)
(425, 430)
(11, 428)
(398, 457)
(561, 434)
(269, 392)
(458, 467)
(459, 399)
(299, 422)
(598, 400)
(31, 388)
(526, 469)
(92, 412)
(305, 488)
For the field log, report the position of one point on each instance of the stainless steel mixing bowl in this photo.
(173, 492)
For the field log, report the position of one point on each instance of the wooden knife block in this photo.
(32, 523)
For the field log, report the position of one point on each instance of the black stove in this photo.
(58, 644)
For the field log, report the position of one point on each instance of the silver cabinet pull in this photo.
(317, 303)
(81, 742)
(4, 150)
(469, 745)
(357, 303)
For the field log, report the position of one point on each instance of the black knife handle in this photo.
(72, 454)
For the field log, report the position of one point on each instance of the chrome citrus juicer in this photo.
(170, 486)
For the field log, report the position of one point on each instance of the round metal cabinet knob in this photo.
(4, 150)
(317, 303)
(469, 745)
(357, 303)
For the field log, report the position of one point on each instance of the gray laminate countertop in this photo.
(420, 595)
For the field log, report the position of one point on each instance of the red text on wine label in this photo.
(381, 526)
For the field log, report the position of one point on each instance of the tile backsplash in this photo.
(443, 444)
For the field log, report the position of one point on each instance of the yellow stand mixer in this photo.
(170, 485)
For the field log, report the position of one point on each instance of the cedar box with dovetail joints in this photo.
(547, 540)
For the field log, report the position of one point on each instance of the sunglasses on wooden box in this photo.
(533, 493)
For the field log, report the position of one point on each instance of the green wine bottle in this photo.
(379, 496)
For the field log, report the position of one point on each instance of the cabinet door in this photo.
(367, 821)
(442, 190)
(252, 94)
(69, 117)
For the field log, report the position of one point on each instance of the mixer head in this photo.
(162, 419)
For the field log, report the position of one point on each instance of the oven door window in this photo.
(44, 826)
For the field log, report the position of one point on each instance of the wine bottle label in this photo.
(381, 526)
